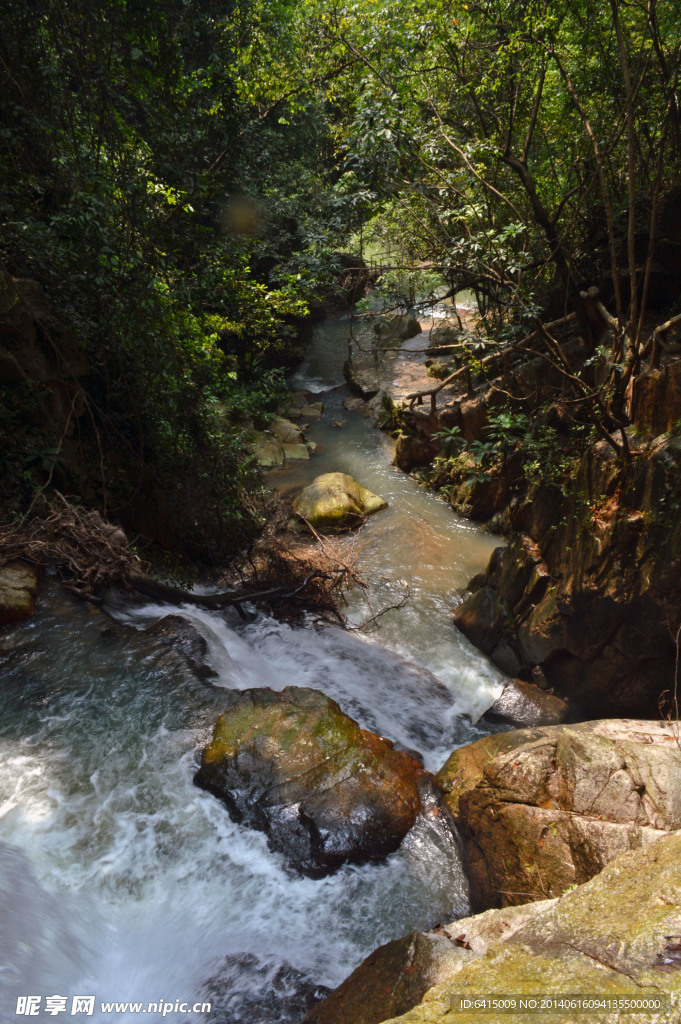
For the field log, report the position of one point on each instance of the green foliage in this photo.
(449, 438)
(497, 141)
(134, 141)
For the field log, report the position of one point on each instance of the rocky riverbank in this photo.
(617, 937)
(585, 598)
(554, 819)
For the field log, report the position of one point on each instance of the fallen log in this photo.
(150, 587)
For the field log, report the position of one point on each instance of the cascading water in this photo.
(120, 879)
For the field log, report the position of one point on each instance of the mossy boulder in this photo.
(285, 431)
(616, 935)
(335, 501)
(18, 590)
(325, 791)
(281, 443)
(542, 809)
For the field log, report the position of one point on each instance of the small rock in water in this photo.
(247, 990)
(313, 411)
(268, 451)
(182, 636)
(296, 452)
(523, 703)
(285, 431)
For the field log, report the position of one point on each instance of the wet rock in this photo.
(247, 990)
(18, 591)
(523, 703)
(296, 452)
(541, 810)
(614, 935)
(183, 637)
(354, 403)
(298, 398)
(285, 431)
(312, 412)
(325, 792)
(335, 501)
(390, 981)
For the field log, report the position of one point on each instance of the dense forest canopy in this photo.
(179, 178)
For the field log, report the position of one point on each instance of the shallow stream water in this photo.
(119, 879)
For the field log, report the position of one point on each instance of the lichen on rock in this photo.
(325, 791)
(543, 809)
(335, 501)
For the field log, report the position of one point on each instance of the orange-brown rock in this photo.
(541, 810)
(589, 589)
(390, 981)
(656, 399)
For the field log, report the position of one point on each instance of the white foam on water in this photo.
(119, 878)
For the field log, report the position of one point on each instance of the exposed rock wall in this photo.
(589, 588)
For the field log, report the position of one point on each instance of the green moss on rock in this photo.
(335, 501)
(325, 791)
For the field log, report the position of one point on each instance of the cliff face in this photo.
(589, 589)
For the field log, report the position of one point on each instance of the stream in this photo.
(119, 879)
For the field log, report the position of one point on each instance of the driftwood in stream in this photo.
(88, 553)
(150, 587)
(91, 555)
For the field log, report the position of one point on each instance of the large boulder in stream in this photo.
(543, 809)
(616, 936)
(335, 501)
(325, 791)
